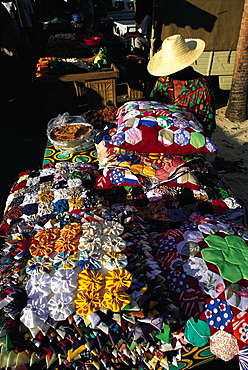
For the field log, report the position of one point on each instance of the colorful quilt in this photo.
(85, 283)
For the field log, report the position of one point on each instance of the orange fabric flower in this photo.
(115, 301)
(91, 280)
(47, 235)
(39, 249)
(71, 230)
(118, 279)
(63, 244)
(87, 302)
(44, 242)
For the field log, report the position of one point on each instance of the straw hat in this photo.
(176, 53)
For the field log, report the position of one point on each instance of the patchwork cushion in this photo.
(151, 127)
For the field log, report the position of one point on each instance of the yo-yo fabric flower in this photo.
(87, 302)
(64, 261)
(115, 300)
(91, 280)
(117, 280)
(90, 260)
(38, 285)
(64, 281)
(35, 313)
(38, 265)
(112, 261)
(61, 306)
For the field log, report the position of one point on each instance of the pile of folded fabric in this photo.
(137, 263)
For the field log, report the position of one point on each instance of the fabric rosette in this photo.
(61, 305)
(75, 203)
(113, 244)
(38, 284)
(112, 261)
(87, 302)
(91, 280)
(46, 196)
(64, 261)
(91, 229)
(39, 265)
(118, 279)
(64, 281)
(115, 300)
(64, 244)
(90, 260)
(71, 230)
(90, 243)
(112, 228)
(35, 313)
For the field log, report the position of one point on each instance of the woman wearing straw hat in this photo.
(179, 84)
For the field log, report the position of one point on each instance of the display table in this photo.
(64, 93)
(115, 277)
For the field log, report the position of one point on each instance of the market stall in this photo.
(125, 249)
(64, 83)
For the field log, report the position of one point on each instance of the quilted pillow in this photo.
(126, 168)
(152, 127)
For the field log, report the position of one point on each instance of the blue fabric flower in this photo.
(61, 206)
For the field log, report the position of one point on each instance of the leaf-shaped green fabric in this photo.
(243, 265)
(215, 241)
(197, 140)
(230, 271)
(233, 255)
(236, 242)
(197, 332)
(212, 255)
(245, 253)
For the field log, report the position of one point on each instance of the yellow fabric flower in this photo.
(87, 302)
(46, 196)
(118, 279)
(75, 203)
(91, 280)
(66, 244)
(115, 301)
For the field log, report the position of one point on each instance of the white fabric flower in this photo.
(38, 285)
(35, 313)
(90, 244)
(113, 244)
(112, 228)
(60, 194)
(91, 229)
(74, 182)
(61, 305)
(64, 281)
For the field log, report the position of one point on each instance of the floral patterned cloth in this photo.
(196, 96)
